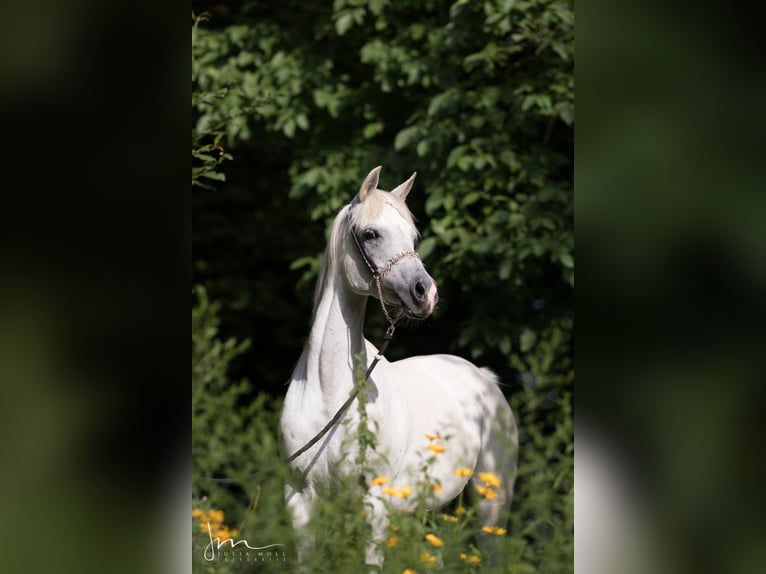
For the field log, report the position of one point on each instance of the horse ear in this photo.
(370, 183)
(403, 189)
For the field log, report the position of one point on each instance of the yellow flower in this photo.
(408, 571)
(433, 437)
(437, 487)
(460, 510)
(449, 518)
(487, 493)
(197, 512)
(427, 558)
(392, 541)
(435, 540)
(494, 530)
(222, 534)
(472, 559)
(203, 526)
(435, 448)
(404, 492)
(216, 516)
(379, 481)
(390, 491)
(490, 479)
(463, 472)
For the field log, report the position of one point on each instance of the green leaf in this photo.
(442, 102)
(405, 137)
(471, 198)
(566, 260)
(504, 271)
(433, 203)
(343, 23)
(527, 340)
(371, 130)
(464, 163)
(426, 247)
(302, 121)
(289, 128)
(455, 155)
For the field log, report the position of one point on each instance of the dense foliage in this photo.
(293, 103)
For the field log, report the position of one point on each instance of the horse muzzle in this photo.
(423, 297)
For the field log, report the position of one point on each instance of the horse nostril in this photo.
(420, 290)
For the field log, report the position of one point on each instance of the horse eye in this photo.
(369, 234)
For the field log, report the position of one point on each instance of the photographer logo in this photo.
(230, 549)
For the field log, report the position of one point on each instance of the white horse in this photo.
(407, 399)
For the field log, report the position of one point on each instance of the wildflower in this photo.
(390, 491)
(221, 533)
(463, 472)
(433, 437)
(472, 559)
(449, 518)
(435, 540)
(460, 510)
(490, 479)
(435, 448)
(197, 512)
(494, 530)
(379, 481)
(408, 571)
(392, 541)
(404, 492)
(216, 516)
(487, 493)
(437, 488)
(427, 558)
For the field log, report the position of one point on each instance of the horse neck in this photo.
(336, 339)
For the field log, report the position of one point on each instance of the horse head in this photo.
(381, 260)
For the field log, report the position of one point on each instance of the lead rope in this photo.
(344, 407)
(377, 275)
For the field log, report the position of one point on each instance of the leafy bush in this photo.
(234, 441)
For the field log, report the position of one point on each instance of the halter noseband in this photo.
(379, 273)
